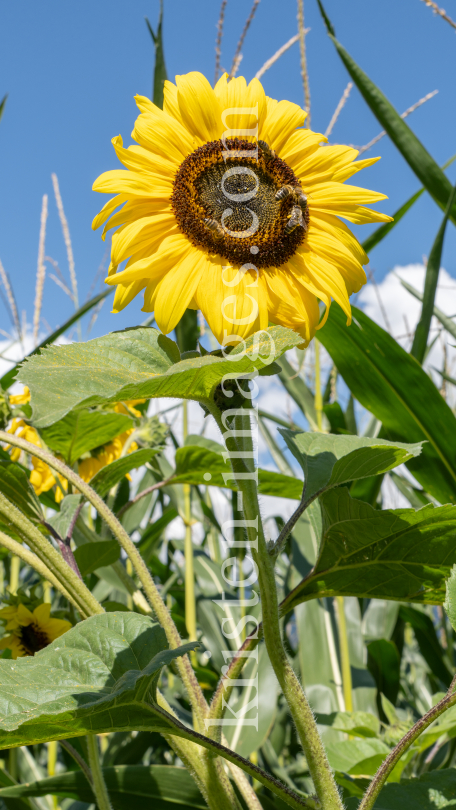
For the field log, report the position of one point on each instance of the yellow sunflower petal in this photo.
(320, 277)
(291, 306)
(281, 122)
(346, 172)
(320, 166)
(107, 210)
(124, 295)
(171, 101)
(133, 184)
(24, 615)
(335, 251)
(236, 94)
(199, 107)
(139, 159)
(177, 288)
(172, 250)
(299, 145)
(42, 612)
(147, 230)
(335, 196)
(163, 135)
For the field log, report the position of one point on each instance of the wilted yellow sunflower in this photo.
(226, 178)
(31, 632)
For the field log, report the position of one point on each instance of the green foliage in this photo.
(391, 554)
(135, 364)
(82, 431)
(109, 476)
(392, 386)
(91, 556)
(15, 485)
(100, 676)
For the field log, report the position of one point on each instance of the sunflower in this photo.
(240, 223)
(88, 467)
(31, 632)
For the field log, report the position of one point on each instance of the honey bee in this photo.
(295, 192)
(268, 153)
(214, 227)
(296, 220)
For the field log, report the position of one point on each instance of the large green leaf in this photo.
(357, 756)
(138, 363)
(82, 431)
(15, 486)
(393, 386)
(398, 554)
(411, 149)
(329, 460)
(9, 377)
(101, 675)
(430, 791)
(200, 465)
(165, 785)
(420, 339)
(109, 476)
(91, 556)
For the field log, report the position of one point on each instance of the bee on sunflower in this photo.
(31, 631)
(257, 215)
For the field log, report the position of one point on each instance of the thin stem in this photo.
(143, 494)
(318, 396)
(385, 769)
(344, 655)
(290, 524)
(299, 706)
(50, 557)
(190, 601)
(31, 559)
(192, 686)
(15, 567)
(302, 47)
(99, 787)
(80, 761)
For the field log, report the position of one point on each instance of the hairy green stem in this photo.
(301, 712)
(50, 557)
(31, 559)
(195, 694)
(387, 766)
(99, 787)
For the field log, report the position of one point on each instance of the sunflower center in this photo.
(33, 639)
(227, 199)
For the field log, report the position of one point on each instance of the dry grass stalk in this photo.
(58, 279)
(270, 62)
(67, 240)
(339, 108)
(95, 315)
(218, 41)
(441, 12)
(11, 301)
(237, 56)
(40, 270)
(304, 71)
(403, 115)
(379, 300)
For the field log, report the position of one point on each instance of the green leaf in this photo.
(2, 105)
(91, 556)
(430, 791)
(384, 664)
(166, 785)
(411, 149)
(383, 230)
(62, 520)
(135, 364)
(160, 75)
(99, 676)
(420, 339)
(300, 392)
(357, 756)
(109, 476)
(200, 466)
(9, 377)
(450, 599)
(82, 431)
(387, 381)
(392, 554)
(358, 724)
(329, 460)
(15, 485)
(428, 643)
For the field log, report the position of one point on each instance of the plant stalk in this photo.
(344, 655)
(301, 712)
(99, 787)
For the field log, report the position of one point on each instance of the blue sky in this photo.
(72, 69)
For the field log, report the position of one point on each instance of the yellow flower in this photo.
(128, 407)
(89, 467)
(31, 632)
(41, 477)
(196, 209)
(21, 399)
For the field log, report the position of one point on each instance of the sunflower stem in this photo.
(195, 694)
(301, 712)
(318, 396)
(190, 601)
(50, 557)
(99, 787)
(344, 654)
